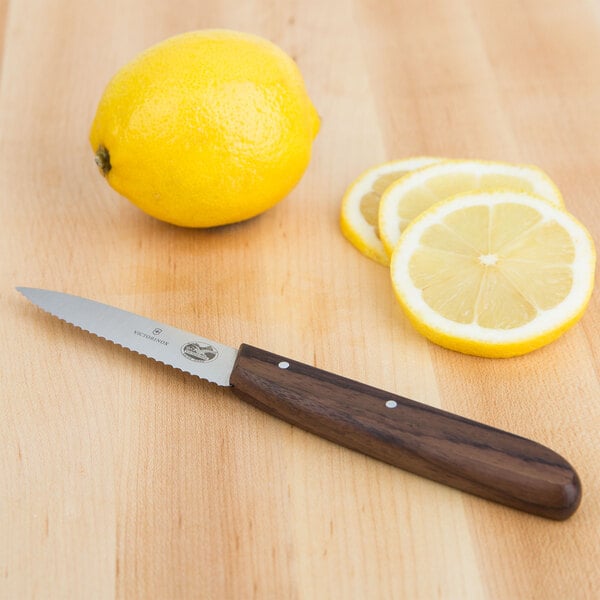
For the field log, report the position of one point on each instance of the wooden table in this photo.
(122, 478)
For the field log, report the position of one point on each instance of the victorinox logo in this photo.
(152, 337)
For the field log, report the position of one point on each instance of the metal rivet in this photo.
(391, 404)
(283, 364)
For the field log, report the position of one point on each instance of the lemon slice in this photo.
(494, 274)
(360, 204)
(405, 199)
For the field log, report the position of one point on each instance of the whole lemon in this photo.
(206, 128)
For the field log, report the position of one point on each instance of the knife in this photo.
(429, 442)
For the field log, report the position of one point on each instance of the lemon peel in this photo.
(205, 128)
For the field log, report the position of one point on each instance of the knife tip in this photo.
(28, 292)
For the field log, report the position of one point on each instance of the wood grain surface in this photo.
(121, 478)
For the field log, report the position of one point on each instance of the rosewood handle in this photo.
(439, 445)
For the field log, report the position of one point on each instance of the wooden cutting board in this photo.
(122, 478)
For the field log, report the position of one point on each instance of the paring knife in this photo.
(441, 446)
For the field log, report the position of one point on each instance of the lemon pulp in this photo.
(407, 198)
(496, 266)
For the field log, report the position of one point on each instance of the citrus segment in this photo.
(494, 274)
(360, 204)
(408, 197)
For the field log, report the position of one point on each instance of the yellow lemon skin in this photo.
(483, 349)
(205, 128)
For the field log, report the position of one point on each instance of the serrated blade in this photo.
(174, 347)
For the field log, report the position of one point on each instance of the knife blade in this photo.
(441, 446)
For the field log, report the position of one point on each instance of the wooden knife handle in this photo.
(441, 446)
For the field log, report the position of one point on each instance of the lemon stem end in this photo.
(102, 159)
